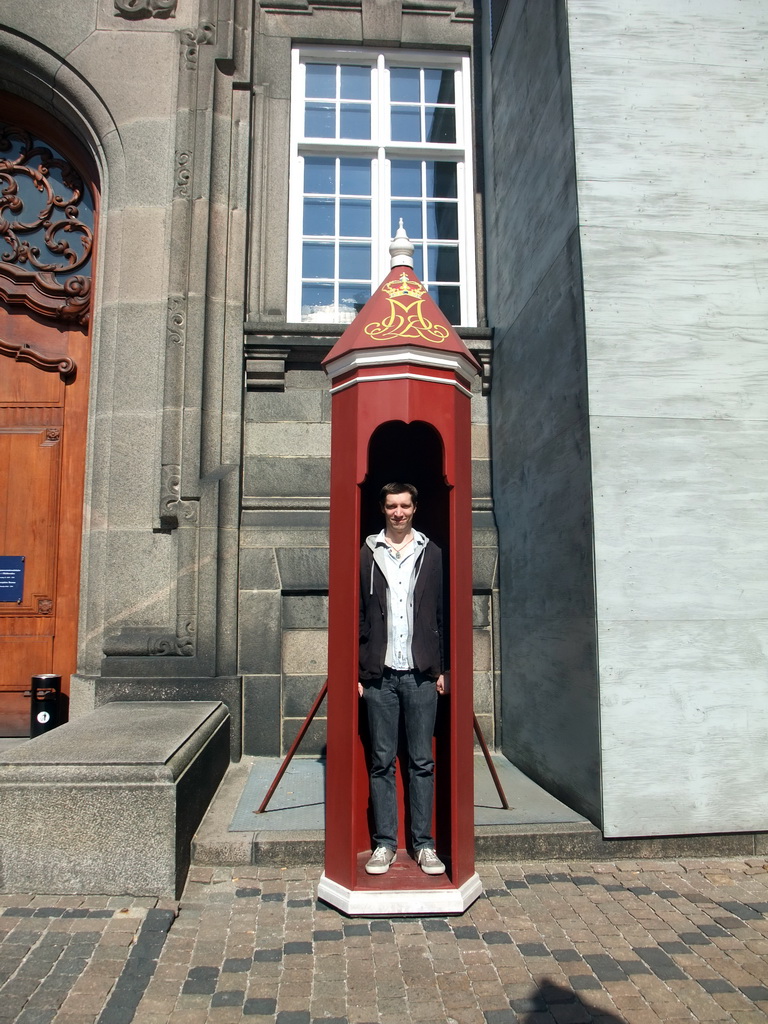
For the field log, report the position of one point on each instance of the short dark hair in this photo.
(397, 488)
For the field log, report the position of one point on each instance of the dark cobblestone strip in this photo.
(201, 981)
(605, 967)
(356, 929)
(55, 912)
(744, 912)
(138, 970)
(663, 966)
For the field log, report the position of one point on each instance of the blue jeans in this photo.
(384, 698)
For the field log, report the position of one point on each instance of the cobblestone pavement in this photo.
(549, 943)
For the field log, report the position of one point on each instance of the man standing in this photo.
(401, 667)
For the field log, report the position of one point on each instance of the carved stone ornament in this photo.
(183, 175)
(192, 40)
(46, 229)
(177, 321)
(151, 642)
(145, 8)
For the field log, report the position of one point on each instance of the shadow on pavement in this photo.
(563, 1004)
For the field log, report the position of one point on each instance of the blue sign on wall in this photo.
(12, 578)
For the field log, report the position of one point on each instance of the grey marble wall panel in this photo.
(148, 147)
(300, 693)
(284, 406)
(306, 440)
(283, 528)
(483, 697)
(654, 30)
(314, 739)
(138, 360)
(684, 725)
(258, 569)
(481, 610)
(134, 595)
(484, 567)
(688, 336)
(261, 715)
(481, 478)
(305, 611)
(305, 652)
(59, 27)
(680, 516)
(286, 476)
(306, 378)
(101, 57)
(666, 104)
(303, 568)
(260, 632)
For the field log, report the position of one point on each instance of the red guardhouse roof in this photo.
(400, 321)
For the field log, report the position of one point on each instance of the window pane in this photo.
(438, 86)
(318, 217)
(406, 124)
(443, 263)
(406, 177)
(404, 85)
(318, 260)
(355, 262)
(411, 217)
(320, 121)
(440, 124)
(355, 220)
(317, 299)
(418, 262)
(352, 298)
(447, 298)
(355, 177)
(442, 220)
(321, 81)
(441, 180)
(355, 121)
(320, 174)
(355, 82)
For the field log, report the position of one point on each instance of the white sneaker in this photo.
(380, 860)
(429, 862)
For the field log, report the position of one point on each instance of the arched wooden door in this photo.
(47, 215)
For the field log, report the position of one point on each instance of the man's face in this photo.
(398, 511)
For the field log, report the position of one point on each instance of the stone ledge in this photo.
(108, 803)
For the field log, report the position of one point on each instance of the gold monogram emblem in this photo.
(406, 319)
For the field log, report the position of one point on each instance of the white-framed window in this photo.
(376, 137)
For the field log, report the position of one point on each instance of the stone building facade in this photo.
(610, 248)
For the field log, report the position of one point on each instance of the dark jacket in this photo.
(427, 641)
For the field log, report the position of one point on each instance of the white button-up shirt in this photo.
(398, 568)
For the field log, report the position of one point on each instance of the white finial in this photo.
(401, 249)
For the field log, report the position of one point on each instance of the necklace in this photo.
(397, 550)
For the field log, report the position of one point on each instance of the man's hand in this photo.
(359, 688)
(440, 684)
